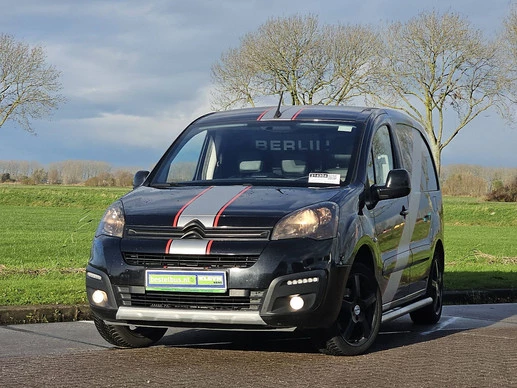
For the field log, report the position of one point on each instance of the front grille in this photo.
(196, 261)
(220, 233)
(196, 301)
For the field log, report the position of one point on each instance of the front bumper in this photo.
(210, 318)
(306, 271)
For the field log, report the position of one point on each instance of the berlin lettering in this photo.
(289, 145)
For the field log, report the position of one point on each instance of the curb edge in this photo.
(13, 315)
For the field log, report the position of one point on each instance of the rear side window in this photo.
(417, 158)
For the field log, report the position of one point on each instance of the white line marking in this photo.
(441, 326)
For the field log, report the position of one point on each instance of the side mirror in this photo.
(140, 178)
(398, 184)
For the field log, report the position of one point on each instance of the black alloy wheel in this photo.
(359, 320)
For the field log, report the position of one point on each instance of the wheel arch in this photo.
(439, 253)
(366, 256)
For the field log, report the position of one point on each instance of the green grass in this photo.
(46, 237)
(53, 287)
(60, 196)
(44, 253)
(480, 244)
(472, 211)
(480, 257)
(46, 233)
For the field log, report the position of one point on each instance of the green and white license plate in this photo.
(185, 281)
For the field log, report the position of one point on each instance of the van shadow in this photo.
(398, 333)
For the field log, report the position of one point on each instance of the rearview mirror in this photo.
(398, 185)
(139, 178)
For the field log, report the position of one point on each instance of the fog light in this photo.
(296, 302)
(99, 297)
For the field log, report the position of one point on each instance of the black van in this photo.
(327, 219)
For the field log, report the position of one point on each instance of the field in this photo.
(46, 232)
(45, 244)
(481, 244)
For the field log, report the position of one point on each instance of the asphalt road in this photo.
(472, 346)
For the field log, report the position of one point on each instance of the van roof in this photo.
(301, 112)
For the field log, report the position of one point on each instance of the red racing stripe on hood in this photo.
(175, 222)
(216, 221)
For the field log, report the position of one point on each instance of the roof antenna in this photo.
(278, 113)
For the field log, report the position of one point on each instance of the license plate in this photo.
(185, 281)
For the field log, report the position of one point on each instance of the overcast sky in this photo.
(135, 73)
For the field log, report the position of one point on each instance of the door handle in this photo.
(404, 212)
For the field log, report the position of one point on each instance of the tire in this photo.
(359, 320)
(432, 313)
(126, 337)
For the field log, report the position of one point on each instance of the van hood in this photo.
(219, 206)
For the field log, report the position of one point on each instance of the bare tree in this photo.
(28, 85)
(123, 178)
(280, 56)
(313, 64)
(53, 176)
(234, 78)
(437, 63)
(39, 176)
(433, 67)
(18, 168)
(353, 58)
(76, 171)
(290, 56)
(509, 46)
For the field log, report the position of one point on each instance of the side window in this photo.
(405, 137)
(380, 160)
(429, 179)
(417, 156)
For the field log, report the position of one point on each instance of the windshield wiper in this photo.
(164, 185)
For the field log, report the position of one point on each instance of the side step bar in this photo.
(398, 312)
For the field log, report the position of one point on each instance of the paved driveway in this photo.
(472, 346)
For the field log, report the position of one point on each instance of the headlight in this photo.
(318, 222)
(112, 223)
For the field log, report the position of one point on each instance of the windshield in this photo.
(287, 153)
